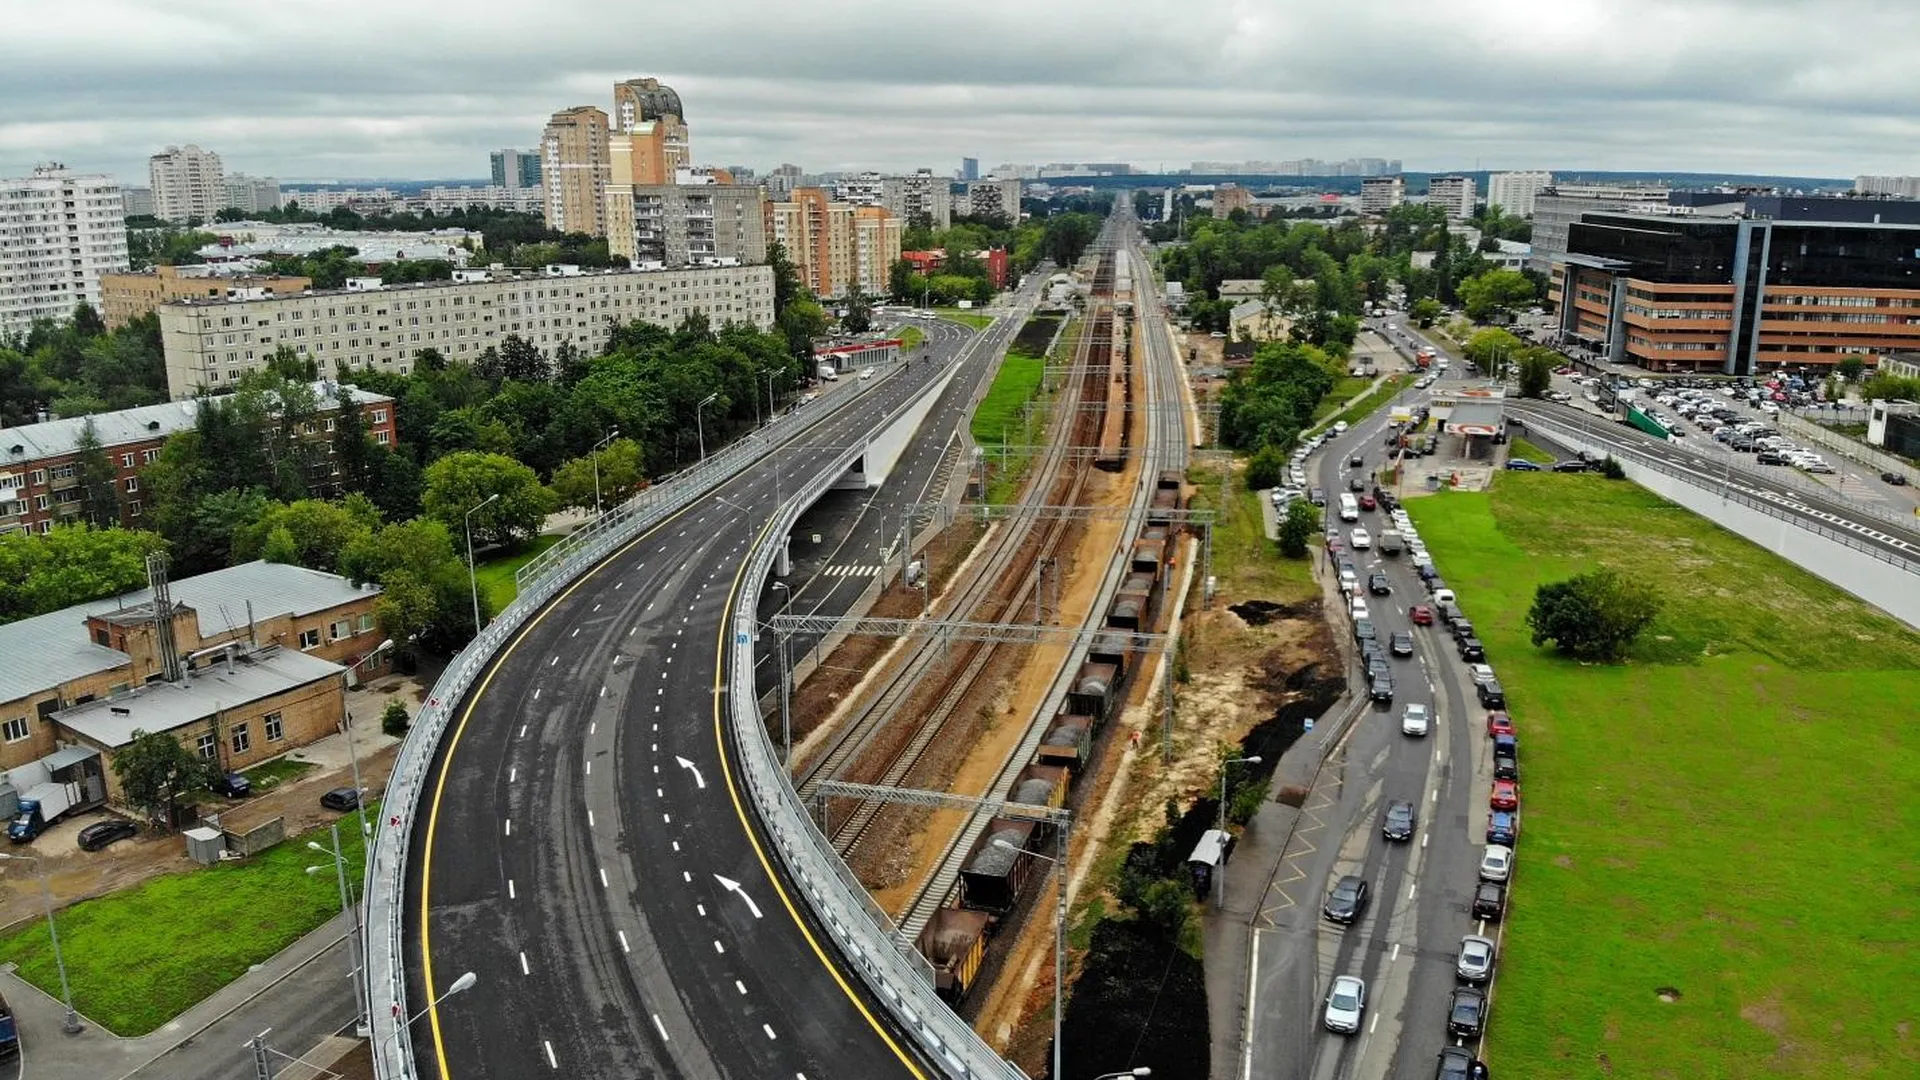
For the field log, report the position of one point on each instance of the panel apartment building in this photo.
(210, 343)
(59, 232)
(40, 463)
(836, 246)
(126, 297)
(695, 221)
(1785, 283)
(188, 182)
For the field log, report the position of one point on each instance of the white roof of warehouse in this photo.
(164, 706)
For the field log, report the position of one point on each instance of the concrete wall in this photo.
(1851, 449)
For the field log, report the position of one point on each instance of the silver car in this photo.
(1476, 958)
(1346, 1003)
(1496, 863)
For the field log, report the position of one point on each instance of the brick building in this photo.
(88, 675)
(40, 463)
(126, 297)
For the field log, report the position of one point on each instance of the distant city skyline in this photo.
(1630, 85)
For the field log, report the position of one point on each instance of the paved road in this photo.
(580, 846)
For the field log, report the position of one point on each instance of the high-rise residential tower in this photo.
(187, 183)
(574, 161)
(63, 230)
(1514, 192)
(515, 169)
(643, 107)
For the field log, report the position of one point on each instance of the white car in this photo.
(1348, 579)
(1360, 539)
(1416, 720)
(1480, 672)
(1496, 863)
(1443, 596)
(1340, 427)
(1475, 963)
(1346, 1004)
(1358, 608)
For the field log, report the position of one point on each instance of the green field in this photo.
(139, 957)
(1365, 407)
(912, 337)
(968, 317)
(998, 421)
(1247, 564)
(1526, 451)
(495, 576)
(1344, 390)
(1731, 814)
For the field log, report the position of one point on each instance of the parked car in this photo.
(1506, 767)
(1489, 900)
(1471, 650)
(1347, 900)
(1401, 642)
(1416, 720)
(1570, 466)
(1421, 614)
(231, 784)
(1400, 820)
(1496, 863)
(1498, 724)
(1317, 496)
(1522, 465)
(1378, 585)
(1356, 461)
(1479, 672)
(101, 833)
(1894, 478)
(1492, 694)
(1363, 630)
(341, 799)
(1458, 1064)
(1503, 828)
(1382, 690)
(1475, 962)
(1504, 796)
(1467, 1012)
(1346, 1004)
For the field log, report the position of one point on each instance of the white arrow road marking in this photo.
(733, 886)
(689, 766)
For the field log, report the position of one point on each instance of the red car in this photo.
(1506, 795)
(1367, 502)
(1421, 614)
(1499, 723)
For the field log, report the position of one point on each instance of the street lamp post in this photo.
(1141, 1071)
(786, 682)
(1222, 874)
(353, 750)
(1059, 934)
(772, 412)
(460, 985)
(699, 423)
(594, 455)
(71, 1023)
(473, 580)
(361, 1026)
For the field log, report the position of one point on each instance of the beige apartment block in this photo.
(187, 182)
(126, 297)
(835, 246)
(574, 163)
(876, 247)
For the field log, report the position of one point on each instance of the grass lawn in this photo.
(268, 775)
(1344, 389)
(911, 337)
(139, 957)
(1247, 564)
(999, 417)
(1526, 451)
(496, 575)
(969, 317)
(1366, 405)
(1730, 814)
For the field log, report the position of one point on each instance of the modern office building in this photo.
(574, 166)
(1379, 194)
(836, 246)
(1454, 194)
(696, 221)
(187, 183)
(1559, 206)
(969, 169)
(1514, 192)
(40, 463)
(1786, 283)
(59, 232)
(210, 343)
(125, 297)
(515, 168)
(921, 197)
(253, 194)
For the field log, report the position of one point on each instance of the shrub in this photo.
(394, 720)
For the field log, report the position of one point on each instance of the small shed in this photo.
(205, 845)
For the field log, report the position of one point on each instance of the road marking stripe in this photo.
(552, 1062)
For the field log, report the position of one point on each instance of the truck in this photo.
(1392, 543)
(41, 807)
(829, 373)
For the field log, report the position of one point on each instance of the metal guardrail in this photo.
(1795, 515)
(385, 889)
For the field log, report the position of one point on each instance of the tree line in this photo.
(78, 367)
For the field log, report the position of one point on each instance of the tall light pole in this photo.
(71, 1023)
(772, 413)
(699, 423)
(1059, 935)
(348, 908)
(353, 751)
(473, 580)
(594, 454)
(460, 986)
(1222, 874)
(786, 681)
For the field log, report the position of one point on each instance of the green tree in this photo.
(1166, 906)
(621, 473)
(1592, 616)
(859, 315)
(1297, 528)
(155, 770)
(1536, 372)
(317, 532)
(99, 499)
(1424, 311)
(800, 322)
(1496, 292)
(786, 279)
(1492, 347)
(72, 564)
(1850, 368)
(424, 584)
(1266, 468)
(899, 280)
(464, 481)
(394, 720)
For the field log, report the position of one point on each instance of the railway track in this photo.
(1012, 559)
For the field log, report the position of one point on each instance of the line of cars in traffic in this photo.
(1348, 897)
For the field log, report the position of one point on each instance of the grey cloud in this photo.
(356, 88)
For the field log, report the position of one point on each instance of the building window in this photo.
(126, 461)
(379, 416)
(147, 457)
(310, 639)
(276, 729)
(133, 508)
(133, 484)
(241, 739)
(342, 628)
(205, 746)
(38, 476)
(15, 729)
(366, 624)
(381, 436)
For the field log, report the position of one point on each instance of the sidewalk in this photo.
(97, 1054)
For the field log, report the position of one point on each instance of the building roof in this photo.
(49, 650)
(53, 438)
(1241, 287)
(164, 706)
(1476, 417)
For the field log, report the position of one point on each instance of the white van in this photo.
(1349, 508)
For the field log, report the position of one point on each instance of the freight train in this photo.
(996, 876)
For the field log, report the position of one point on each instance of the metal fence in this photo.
(538, 581)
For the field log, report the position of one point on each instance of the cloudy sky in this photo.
(353, 88)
